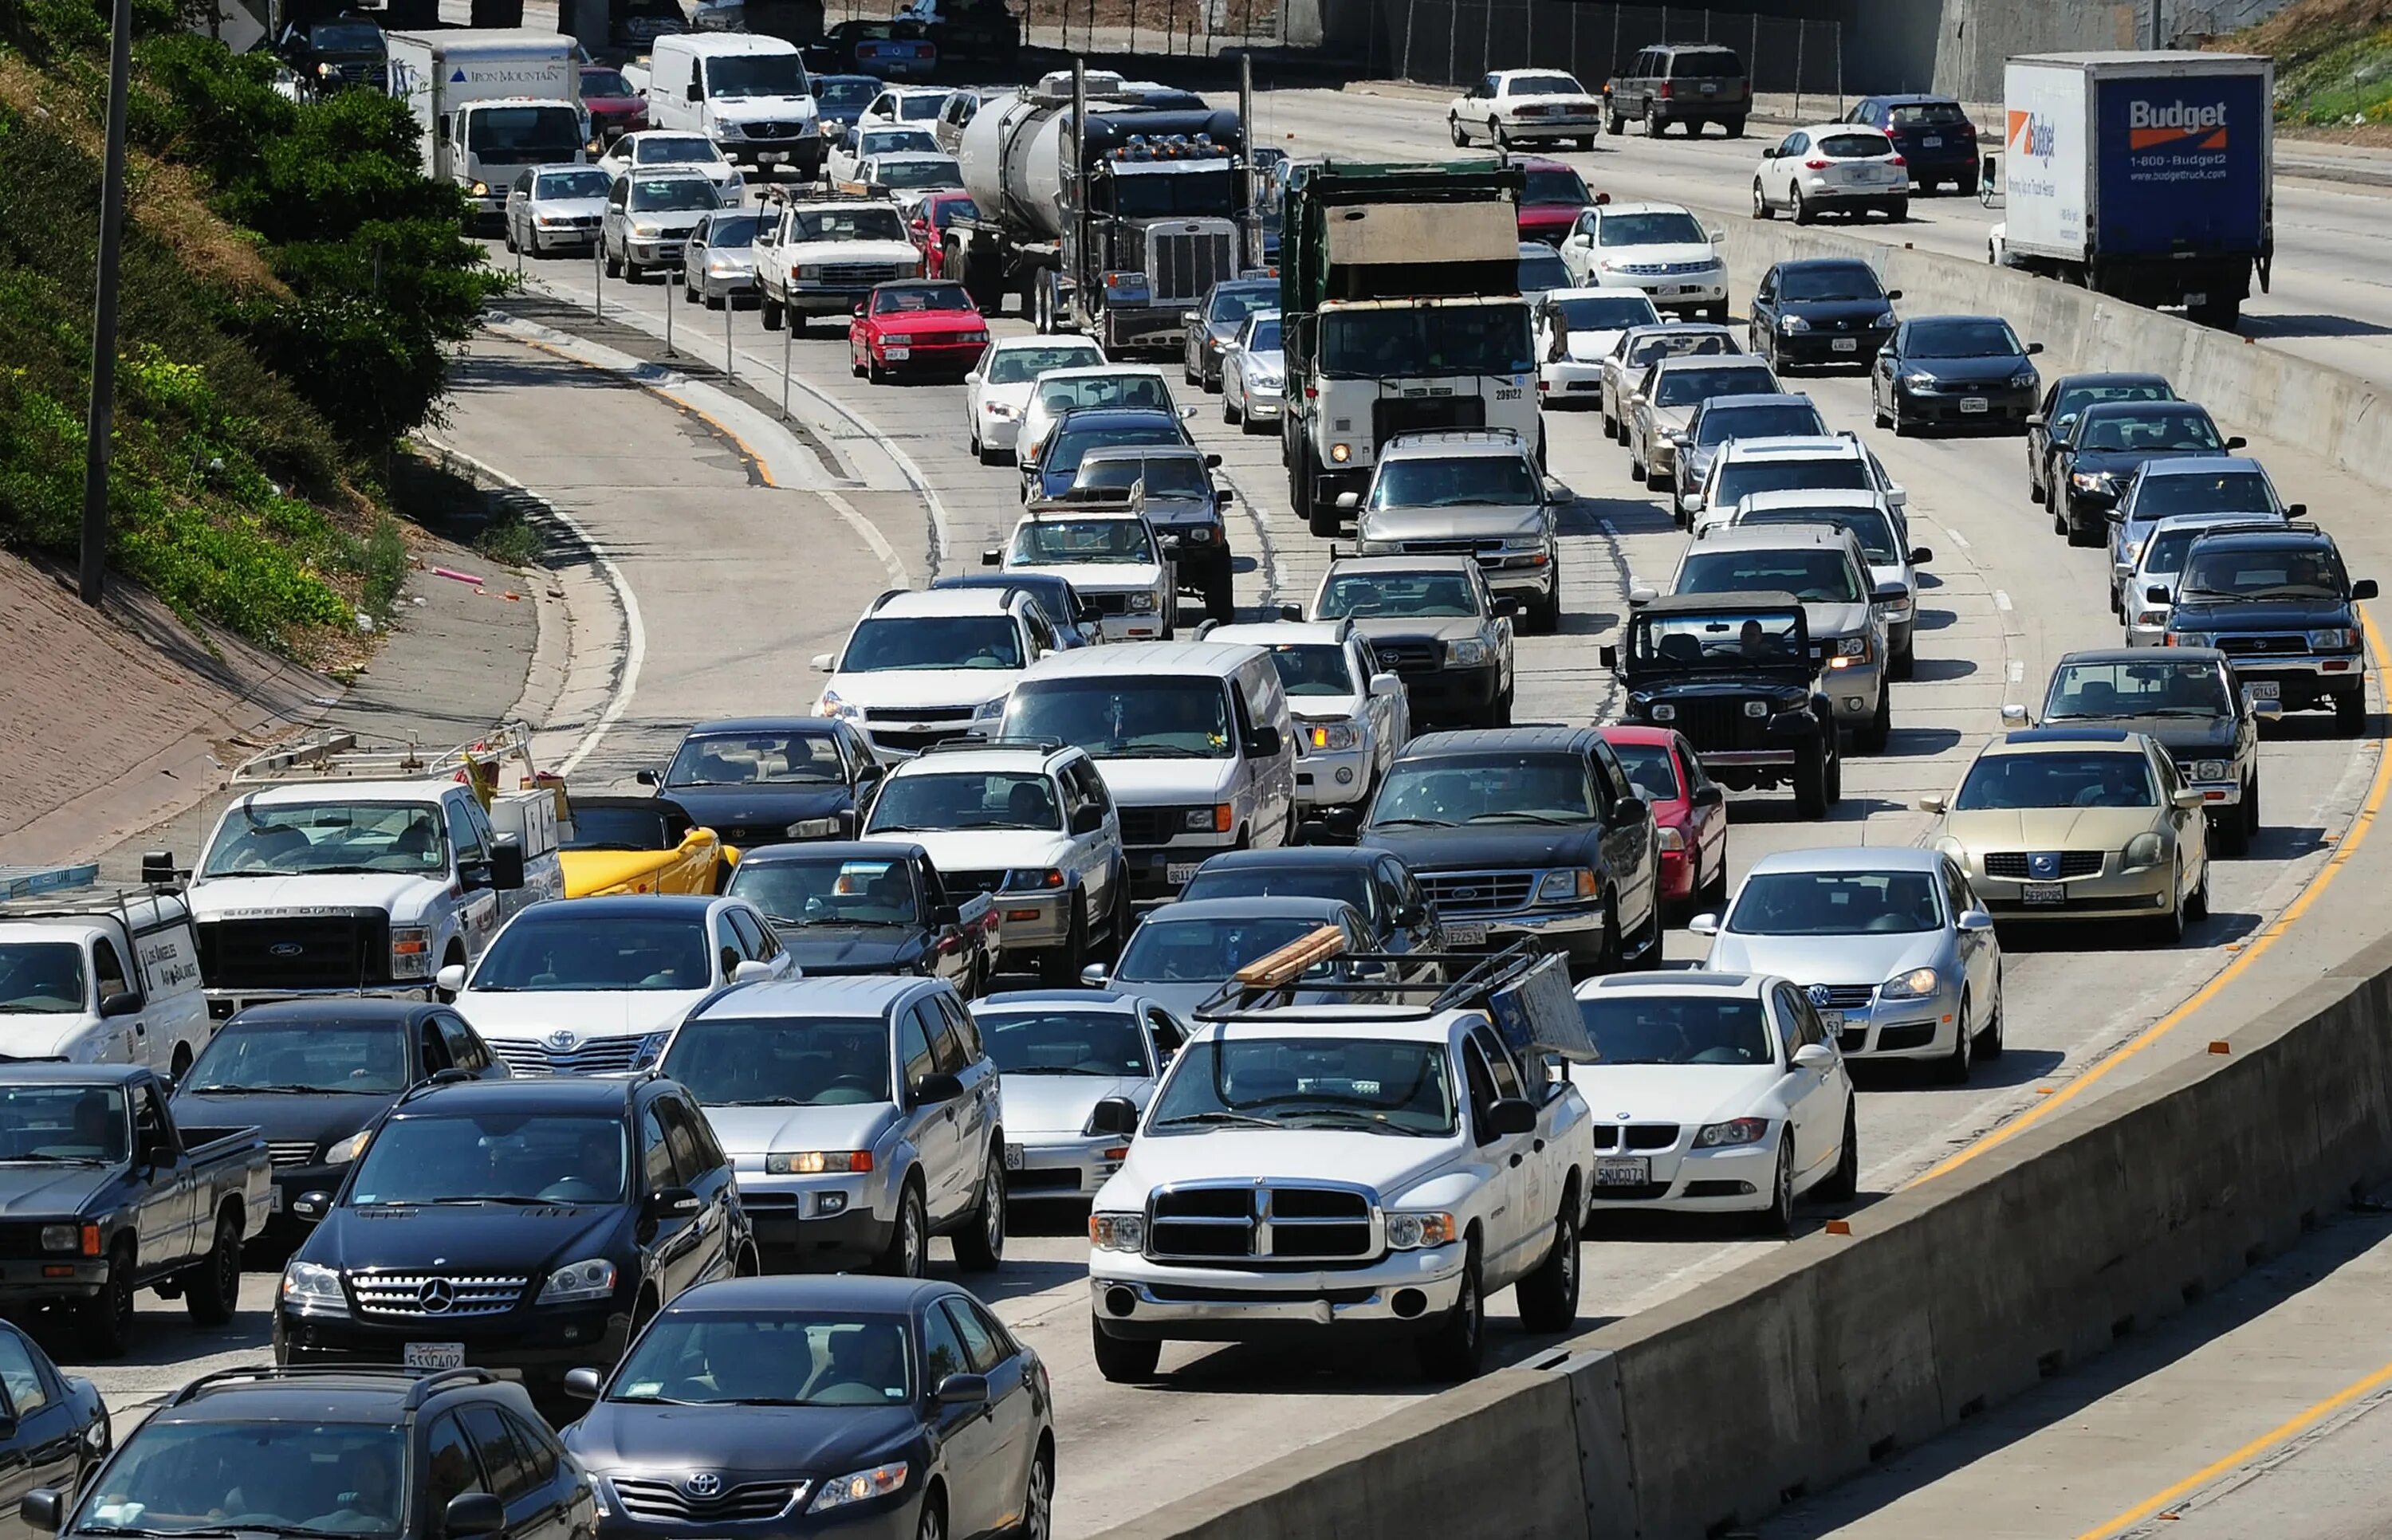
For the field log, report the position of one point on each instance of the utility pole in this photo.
(93, 581)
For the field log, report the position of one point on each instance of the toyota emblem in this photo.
(1818, 994)
(706, 1484)
(286, 949)
(562, 1039)
(436, 1295)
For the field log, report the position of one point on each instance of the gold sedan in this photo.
(640, 845)
(2078, 824)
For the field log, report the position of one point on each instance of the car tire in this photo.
(932, 1525)
(1188, 368)
(1231, 413)
(2230, 835)
(1898, 211)
(1952, 1067)
(1777, 1220)
(1811, 797)
(1548, 1297)
(1714, 894)
(908, 1252)
(1801, 209)
(1117, 929)
(1455, 1348)
(212, 1289)
(1872, 738)
(2250, 815)
(1059, 967)
(614, 265)
(2350, 714)
(105, 1320)
(1657, 480)
(980, 1245)
(768, 312)
(1636, 466)
(1545, 615)
(1760, 209)
(1460, 134)
(1615, 123)
(2169, 929)
(1038, 1498)
(2196, 903)
(1495, 137)
(1989, 1036)
(1843, 1183)
(1904, 666)
(1586, 141)
(1649, 943)
(509, 237)
(1503, 706)
(1122, 1360)
(1654, 123)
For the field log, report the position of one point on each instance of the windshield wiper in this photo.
(1063, 1070)
(1152, 751)
(285, 1089)
(765, 1101)
(1414, 824)
(1348, 1115)
(1242, 1119)
(52, 1161)
(1522, 815)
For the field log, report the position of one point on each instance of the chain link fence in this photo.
(1201, 28)
(1454, 41)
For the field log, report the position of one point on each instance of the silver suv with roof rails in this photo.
(923, 666)
(1795, 464)
(1884, 537)
(1474, 492)
(1434, 623)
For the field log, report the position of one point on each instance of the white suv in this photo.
(1112, 558)
(1747, 467)
(920, 668)
(1352, 715)
(1030, 823)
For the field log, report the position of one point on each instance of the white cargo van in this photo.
(491, 101)
(749, 93)
(97, 977)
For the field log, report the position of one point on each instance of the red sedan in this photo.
(916, 328)
(926, 229)
(1555, 196)
(615, 109)
(1689, 811)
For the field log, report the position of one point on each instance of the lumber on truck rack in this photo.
(480, 762)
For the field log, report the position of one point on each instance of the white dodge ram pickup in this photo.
(1336, 1172)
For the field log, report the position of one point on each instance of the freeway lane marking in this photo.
(2299, 1423)
(2360, 824)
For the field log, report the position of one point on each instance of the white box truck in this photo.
(491, 101)
(2146, 175)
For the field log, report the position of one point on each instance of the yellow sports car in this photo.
(640, 845)
(2079, 824)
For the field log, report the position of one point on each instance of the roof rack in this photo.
(968, 745)
(350, 756)
(58, 892)
(427, 1382)
(1524, 989)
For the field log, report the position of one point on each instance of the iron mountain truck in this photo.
(1400, 296)
(1115, 229)
(105, 1194)
(2144, 175)
(490, 101)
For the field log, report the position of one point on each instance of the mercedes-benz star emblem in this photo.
(1818, 994)
(706, 1484)
(436, 1295)
(285, 948)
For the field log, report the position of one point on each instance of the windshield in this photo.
(797, 1357)
(889, 171)
(846, 97)
(1263, 336)
(590, 183)
(2263, 572)
(1704, 64)
(1869, 525)
(1297, 1083)
(1462, 481)
(1680, 344)
(1103, 390)
(1814, 576)
(1837, 903)
(729, 75)
(265, 1475)
(1652, 770)
(1543, 85)
(980, 800)
(1560, 185)
(2003, 782)
(1016, 365)
(1600, 314)
(53, 1123)
(1424, 342)
(363, 37)
(646, 827)
(1681, 387)
(1397, 595)
(782, 1061)
(2175, 428)
(570, 950)
(514, 136)
(1698, 1027)
(1855, 145)
(1779, 420)
(754, 759)
(1168, 950)
(1235, 302)
(1165, 476)
(41, 979)
(733, 230)
(1153, 717)
(1450, 790)
(922, 107)
(678, 149)
(1065, 542)
(829, 890)
(311, 1055)
(1961, 337)
(604, 84)
(1543, 268)
(301, 837)
(2169, 545)
(1063, 452)
(933, 641)
(2073, 399)
(2214, 492)
(1924, 114)
(856, 224)
(673, 194)
(949, 209)
(1740, 479)
(1346, 883)
(2112, 689)
(1312, 668)
(1065, 1041)
(1729, 639)
(515, 1157)
(1181, 194)
(1670, 228)
(1843, 280)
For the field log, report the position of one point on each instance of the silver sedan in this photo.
(1058, 1052)
(556, 208)
(1253, 372)
(717, 267)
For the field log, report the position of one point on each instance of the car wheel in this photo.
(1714, 894)
(2169, 929)
(1760, 209)
(1117, 928)
(1801, 209)
(2196, 903)
(1648, 942)
(1455, 1348)
(1495, 135)
(1123, 1360)
(1898, 211)
(1895, 420)
(934, 1522)
(1548, 1296)
(1877, 405)
(212, 1289)
(1188, 367)
(613, 263)
(1952, 1067)
(1778, 1218)
(1615, 123)
(1879, 730)
(1843, 1183)
(2350, 714)
(1453, 127)
(510, 237)
(1989, 1037)
(1060, 967)
(105, 1320)
(1906, 663)
(1733, 127)
(980, 1245)
(1654, 123)
(909, 1242)
(1038, 1498)
(768, 311)
(1230, 413)
(2250, 813)
(1811, 797)
(1546, 616)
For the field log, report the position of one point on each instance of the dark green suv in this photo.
(1692, 84)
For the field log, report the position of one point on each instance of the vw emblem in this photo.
(436, 1295)
(285, 948)
(706, 1484)
(562, 1039)
(1818, 994)
(2044, 864)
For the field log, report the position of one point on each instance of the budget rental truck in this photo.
(491, 101)
(2145, 175)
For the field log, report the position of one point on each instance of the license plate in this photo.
(1844, 344)
(2196, 299)
(274, 1204)
(1178, 873)
(1013, 1158)
(2265, 689)
(1667, 289)
(434, 1356)
(908, 352)
(1931, 141)
(1465, 935)
(1972, 403)
(2044, 893)
(1832, 1020)
(1709, 90)
(771, 157)
(1623, 1170)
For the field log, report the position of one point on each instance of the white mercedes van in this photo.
(746, 92)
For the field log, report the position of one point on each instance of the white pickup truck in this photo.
(820, 256)
(93, 976)
(1342, 1172)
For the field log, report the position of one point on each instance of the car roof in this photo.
(1087, 371)
(1281, 633)
(1456, 443)
(1818, 496)
(833, 849)
(818, 727)
(1688, 329)
(633, 906)
(1133, 658)
(334, 1011)
(1399, 564)
(2139, 654)
(1117, 1000)
(1706, 603)
(1749, 986)
(1846, 858)
(2055, 740)
(1671, 362)
(1956, 316)
(1756, 399)
(1535, 737)
(2197, 465)
(1793, 447)
(1780, 536)
(1287, 857)
(1104, 452)
(1601, 292)
(1606, 210)
(2260, 538)
(1282, 906)
(78, 1074)
(813, 1292)
(1085, 418)
(553, 1095)
(970, 762)
(848, 995)
(1813, 264)
(1042, 339)
(1021, 578)
(1916, 98)
(935, 602)
(1820, 128)
(2112, 377)
(2135, 408)
(1631, 733)
(350, 1393)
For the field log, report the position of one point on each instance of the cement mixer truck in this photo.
(1112, 219)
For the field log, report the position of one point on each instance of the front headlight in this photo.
(1917, 984)
(2091, 481)
(2210, 769)
(2193, 639)
(1741, 1131)
(60, 1237)
(1669, 840)
(860, 1486)
(813, 828)
(2025, 380)
(1665, 712)
(988, 711)
(1792, 324)
(898, 339)
(832, 706)
(1218, 819)
(1413, 1232)
(809, 270)
(1918, 381)
(2336, 639)
(548, 221)
(720, 268)
(2143, 852)
(998, 409)
(1141, 603)
(481, 189)
(313, 1289)
(817, 1162)
(348, 1149)
(1569, 884)
(1333, 736)
(410, 951)
(1113, 1232)
(594, 1279)
(1849, 652)
(1031, 879)
(647, 232)
(1467, 652)
(1884, 322)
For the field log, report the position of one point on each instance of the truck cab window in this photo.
(106, 970)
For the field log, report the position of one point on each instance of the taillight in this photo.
(1815, 165)
(1900, 162)
(1662, 90)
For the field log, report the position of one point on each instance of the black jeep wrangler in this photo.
(1734, 673)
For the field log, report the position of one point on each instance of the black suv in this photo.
(1688, 82)
(529, 1225)
(382, 1452)
(1734, 673)
(1525, 831)
(2278, 604)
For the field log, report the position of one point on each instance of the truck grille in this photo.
(433, 1295)
(598, 1057)
(1843, 997)
(1407, 654)
(1155, 825)
(774, 130)
(2244, 646)
(973, 882)
(919, 713)
(290, 1152)
(1391, 415)
(1452, 893)
(2014, 863)
(859, 275)
(1296, 1222)
(897, 741)
(747, 1502)
(1106, 604)
(1719, 724)
(1181, 266)
(297, 951)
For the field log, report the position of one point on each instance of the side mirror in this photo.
(647, 778)
(822, 663)
(748, 971)
(1891, 296)
(1211, 463)
(2034, 420)
(1558, 494)
(584, 1384)
(1267, 743)
(1896, 495)
(1769, 152)
(1714, 233)
(963, 1390)
(1814, 1056)
(938, 1087)
(1506, 607)
(1095, 975)
(1921, 556)
(507, 863)
(672, 1203)
(2015, 713)
(1224, 498)
(126, 1004)
(1641, 594)
(2189, 799)
(1187, 414)
(1704, 924)
(946, 914)
(2269, 710)
(311, 1206)
(1386, 684)
(1344, 823)
(42, 1509)
(693, 92)
(471, 1513)
(1188, 317)
(1890, 593)
(2157, 593)
(2237, 442)
(858, 311)
(973, 379)
(450, 978)
(1935, 804)
(990, 556)
(1608, 655)
(1115, 1117)
(1290, 612)
(1349, 501)
(2296, 510)
(2362, 590)
(1512, 1116)
(1976, 921)
(2033, 348)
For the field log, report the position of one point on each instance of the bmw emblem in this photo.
(286, 949)
(562, 1039)
(706, 1484)
(436, 1297)
(1818, 994)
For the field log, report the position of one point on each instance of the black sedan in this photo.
(1954, 370)
(1375, 882)
(1821, 310)
(2109, 440)
(758, 781)
(54, 1428)
(2063, 399)
(313, 1074)
(879, 1409)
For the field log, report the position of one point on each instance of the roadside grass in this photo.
(2334, 63)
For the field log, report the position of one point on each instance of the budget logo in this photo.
(2155, 125)
(2031, 134)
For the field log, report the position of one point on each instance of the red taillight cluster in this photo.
(1662, 90)
(1815, 165)
(1900, 162)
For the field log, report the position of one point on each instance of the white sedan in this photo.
(843, 165)
(663, 149)
(996, 393)
(1574, 328)
(1252, 373)
(1516, 105)
(1720, 1094)
(1835, 168)
(904, 107)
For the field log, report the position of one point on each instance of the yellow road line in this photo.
(2347, 845)
(2299, 1423)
